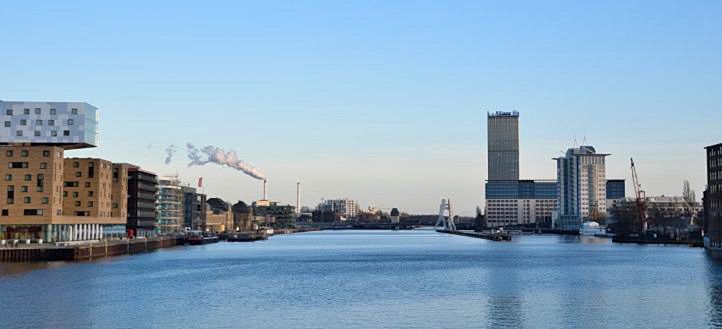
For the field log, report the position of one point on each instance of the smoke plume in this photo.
(170, 150)
(212, 154)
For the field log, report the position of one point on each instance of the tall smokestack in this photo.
(264, 190)
(298, 198)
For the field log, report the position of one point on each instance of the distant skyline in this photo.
(382, 102)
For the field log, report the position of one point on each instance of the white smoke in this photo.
(212, 154)
(170, 150)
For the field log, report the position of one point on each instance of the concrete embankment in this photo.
(86, 251)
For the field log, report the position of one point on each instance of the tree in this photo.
(687, 193)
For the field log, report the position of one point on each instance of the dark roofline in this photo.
(713, 146)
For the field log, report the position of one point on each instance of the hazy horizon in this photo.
(380, 102)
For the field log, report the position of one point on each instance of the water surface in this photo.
(374, 279)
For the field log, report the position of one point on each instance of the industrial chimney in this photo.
(265, 196)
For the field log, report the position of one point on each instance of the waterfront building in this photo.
(346, 208)
(218, 217)
(520, 202)
(242, 216)
(503, 146)
(169, 204)
(48, 197)
(713, 200)
(142, 190)
(70, 125)
(270, 212)
(194, 208)
(395, 216)
(582, 187)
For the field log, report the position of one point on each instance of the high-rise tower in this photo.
(503, 147)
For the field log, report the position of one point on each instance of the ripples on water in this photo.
(374, 279)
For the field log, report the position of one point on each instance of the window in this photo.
(37, 110)
(7, 123)
(66, 132)
(27, 199)
(90, 204)
(54, 133)
(78, 174)
(8, 177)
(6, 212)
(45, 200)
(53, 112)
(38, 122)
(76, 194)
(87, 184)
(43, 165)
(51, 122)
(19, 133)
(77, 203)
(46, 154)
(24, 153)
(74, 111)
(8, 112)
(32, 212)
(65, 194)
(71, 184)
(76, 164)
(37, 133)
(9, 153)
(115, 205)
(90, 193)
(28, 177)
(70, 122)
(26, 111)
(24, 188)
(17, 165)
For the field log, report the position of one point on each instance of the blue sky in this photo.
(380, 101)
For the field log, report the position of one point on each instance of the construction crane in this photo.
(640, 198)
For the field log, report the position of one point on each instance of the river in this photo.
(374, 279)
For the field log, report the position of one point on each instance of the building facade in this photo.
(520, 202)
(503, 146)
(169, 205)
(194, 209)
(69, 125)
(142, 190)
(582, 182)
(48, 197)
(345, 207)
(713, 200)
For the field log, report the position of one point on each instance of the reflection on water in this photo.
(714, 276)
(374, 279)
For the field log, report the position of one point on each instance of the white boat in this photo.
(592, 229)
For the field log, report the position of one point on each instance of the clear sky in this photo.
(380, 101)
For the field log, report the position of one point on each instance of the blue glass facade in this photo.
(522, 189)
(615, 189)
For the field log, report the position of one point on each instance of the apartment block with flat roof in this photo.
(713, 200)
(142, 190)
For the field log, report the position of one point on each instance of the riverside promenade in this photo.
(85, 251)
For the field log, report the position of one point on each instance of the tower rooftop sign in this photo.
(71, 125)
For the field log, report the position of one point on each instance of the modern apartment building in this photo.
(713, 200)
(346, 207)
(194, 208)
(581, 177)
(520, 202)
(503, 146)
(68, 125)
(47, 196)
(169, 204)
(142, 190)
